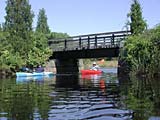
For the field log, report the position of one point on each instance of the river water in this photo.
(79, 97)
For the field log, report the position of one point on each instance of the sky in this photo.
(79, 17)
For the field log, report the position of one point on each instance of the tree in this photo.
(0, 28)
(56, 35)
(40, 52)
(137, 24)
(18, 23)
(42, 25)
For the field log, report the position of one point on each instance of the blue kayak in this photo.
(25, 74)
(24, 79)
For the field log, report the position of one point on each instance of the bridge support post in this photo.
(67, 66)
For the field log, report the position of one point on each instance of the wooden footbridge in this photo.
(67, 51)
(89, 46)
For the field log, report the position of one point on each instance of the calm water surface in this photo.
(80, 97)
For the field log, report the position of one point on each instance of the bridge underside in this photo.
(67, 66)
(67, 62)
(86, 53)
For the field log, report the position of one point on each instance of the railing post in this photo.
(49, 43)
(96, 41)
(65, 44)
(112, 39)
(80, 43)
(88, 42)
(104, 41)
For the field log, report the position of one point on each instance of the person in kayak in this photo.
(95, 66)
(39, 69)
(24, 69)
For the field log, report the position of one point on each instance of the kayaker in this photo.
(24, 69)
(95, 66)
(39, 69)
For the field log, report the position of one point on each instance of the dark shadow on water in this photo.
(67, 81)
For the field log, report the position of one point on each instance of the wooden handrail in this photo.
(96, 34)
(90, 41)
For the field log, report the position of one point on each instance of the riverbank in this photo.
(109, 63)
(83, 64)
(87, 63)
(4, 73)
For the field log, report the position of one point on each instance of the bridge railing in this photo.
(91, 41)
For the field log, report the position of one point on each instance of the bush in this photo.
(143, 51)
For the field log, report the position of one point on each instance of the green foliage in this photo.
(138, 50)
(155, 51)
(42, 25)
(40, 52)
(55, 35)
(8, 58)
(143, 52)
(18, 23)
(137, 25)
(19, 17)
(19, 44)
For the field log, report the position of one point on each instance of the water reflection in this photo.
(143, 97)
(70, 97)
(67, 81)
(23, 101)
(93, 99)
(39, 79)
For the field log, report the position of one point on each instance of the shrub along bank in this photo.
(142, 52)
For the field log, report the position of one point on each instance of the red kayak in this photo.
(91, 71)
